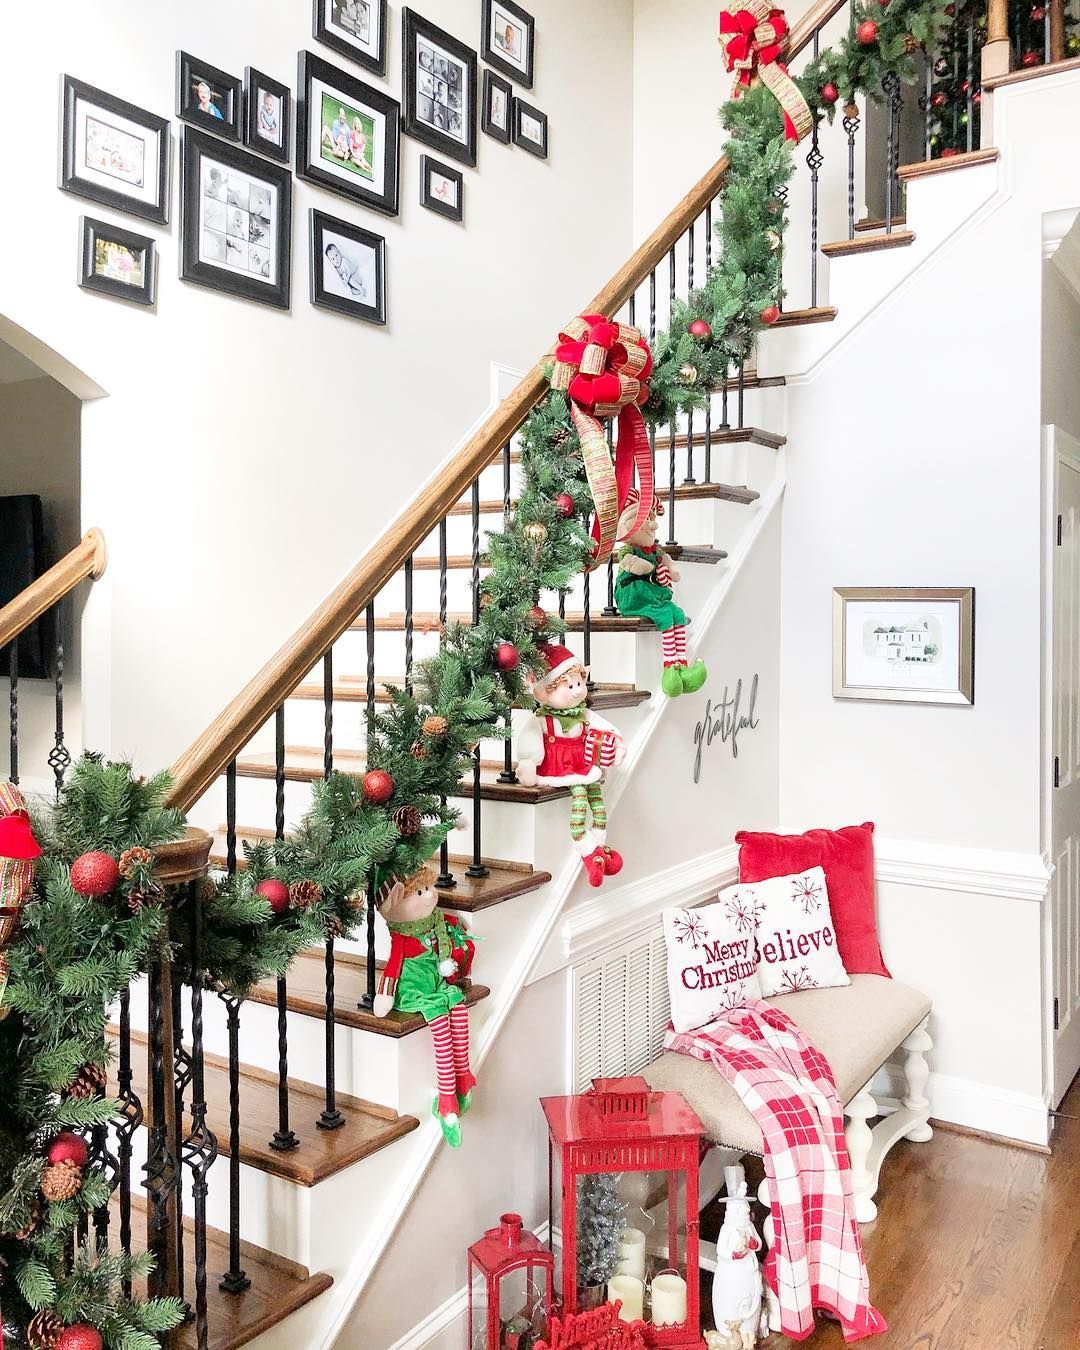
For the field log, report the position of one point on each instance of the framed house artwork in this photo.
(442, 188)
(236, 211)
(904, 644)
(496, 104)
(209, 98)
(353, 28)
(117, 262)
(348, 268)
(530, 129)
(269, 112)
(508, 40)
(348, 135)
(439, 81)
(114, 153)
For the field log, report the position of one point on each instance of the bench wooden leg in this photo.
(772, 1303)
(860, 1138)
(916, 1073)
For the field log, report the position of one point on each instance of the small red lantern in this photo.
(619, 1137)
(511, 1287)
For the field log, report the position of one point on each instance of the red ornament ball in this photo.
(1038, 14)
(939, 100)
(275, 893)
(948, 152)
(976, 97)
(1030, 59)
(80, 1337)
(700, 329)
(950, 10)
(94, 875)
(537, 618)
(506, 656)
(829, 93)
(867, 33)
(67, 1147)
(378, 786)
(564, 504)
(769, 314)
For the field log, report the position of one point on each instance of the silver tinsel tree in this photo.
(600, 1221)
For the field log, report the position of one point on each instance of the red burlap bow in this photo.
(604, 368)
(18, 849)
(752, 35)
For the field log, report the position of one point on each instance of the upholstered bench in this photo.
(856, 1027)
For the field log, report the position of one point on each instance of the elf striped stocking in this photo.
(674, 643)
(442, 1035)
(459, 1031)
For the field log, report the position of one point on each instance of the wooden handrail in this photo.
(231, 730)
(86, 560)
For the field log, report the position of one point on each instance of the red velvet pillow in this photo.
(847, 856)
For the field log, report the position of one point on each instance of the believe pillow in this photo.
(847, 857)
(795, 936)
(711, 961)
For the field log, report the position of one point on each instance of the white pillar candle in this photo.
(631, 1291)
(631, 1253)
(668, 1299)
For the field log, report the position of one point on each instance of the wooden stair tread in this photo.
(927, 168)
(604, 695)
(874, 224)
(751, 380)
(696, 553)
(427, 621)
(304, 764)
(793, 318)
(278, 1286)
(868, 243)
(321, 1153)
(307, 995)
(720, 491)
(725, 436)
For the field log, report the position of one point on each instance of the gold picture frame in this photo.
(904, 644)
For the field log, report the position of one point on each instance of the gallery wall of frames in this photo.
(241, 140)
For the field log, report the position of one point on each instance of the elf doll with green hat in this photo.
(18, 849)
(643, 590)
(430, 955)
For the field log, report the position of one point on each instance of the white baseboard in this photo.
(443, 1329)
(974, 1105)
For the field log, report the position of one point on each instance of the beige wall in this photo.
(1060, 349)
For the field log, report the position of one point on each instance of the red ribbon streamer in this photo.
(752, 37)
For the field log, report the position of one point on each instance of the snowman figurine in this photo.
(737, 1284)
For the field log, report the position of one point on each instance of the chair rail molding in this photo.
(957, 867)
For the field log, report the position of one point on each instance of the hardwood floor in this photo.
(976, 1245)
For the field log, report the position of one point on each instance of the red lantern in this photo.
(621, 1137)
(511, 1287)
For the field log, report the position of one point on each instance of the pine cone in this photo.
(911, 44)
(408, 820)
(435, 725)
(135, 901)
(89, 1081)
(356, 902)
(334, 927)
(417, 750)
(560, 435)
(304, 894)
(132, 858)
(44, 1330)
(61, 1181)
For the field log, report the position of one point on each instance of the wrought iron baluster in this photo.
(446, 880)
(690, 412)
(708, 404)
(230, 818)
(586, 623)
(924, 105)
(331, 1118)
(408, 570)
(160, 1168)
(609, 611)
(671, 433)
(972, 76)
(851, 126)
(284, 1139)
(13, 710)
(59, 756)
(893, 103)
(130, 1119)
(328, 712)
(235, 1279)
(741, 392)
(508, 774)
(781, 197)
(367, 1000)
(814, 161)
(200, 1148)
(476, 868)
(181, 1081)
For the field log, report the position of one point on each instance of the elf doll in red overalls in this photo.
(566, 744)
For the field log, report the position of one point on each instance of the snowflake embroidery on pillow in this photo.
(689, 927)
(793, 980)
(744, 910)
(807, 893)
(732, 998)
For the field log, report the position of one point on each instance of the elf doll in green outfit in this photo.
(430, 955)
(643, 590)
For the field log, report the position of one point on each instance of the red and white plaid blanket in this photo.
(816, 1257)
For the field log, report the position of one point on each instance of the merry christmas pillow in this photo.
(795, 935)
(711, 961)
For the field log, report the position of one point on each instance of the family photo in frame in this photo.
(353, 28)
(508, 40)
(113, 153)
(439, 80)
(208, 97)
(347, 268)
(269, 112)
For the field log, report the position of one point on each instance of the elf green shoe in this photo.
(451, 1130)
(671, 682)
(464, 1101)
(693, 677)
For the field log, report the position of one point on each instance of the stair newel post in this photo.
(59, 755)
(284, 1139)
(330, 1118)
(508, 774)
(130, 1119)
(1055, 31)
(446, 879)
(200, 1147)
(13, 711)
(476, 868)
(708, 403)
(690, 412)
(996, 52)
(408, 576)
(367, 1001)
(671, 434)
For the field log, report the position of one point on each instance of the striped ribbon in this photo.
(752, 34)
(604, 367)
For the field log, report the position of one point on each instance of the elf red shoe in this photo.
(594, 864)
(612, 862)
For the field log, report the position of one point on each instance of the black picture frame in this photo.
(91, 278)
(331, 32)
(493, 82)
(255, 85)
(82, 180)
(451, 210)
(523, 109)
(197, 211)
(226, 89)
(496, 56)
(326, 170)
(321, 225)
(420, 35)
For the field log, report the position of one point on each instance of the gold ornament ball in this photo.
(773, 239)
(536, 533)
(688, 374)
